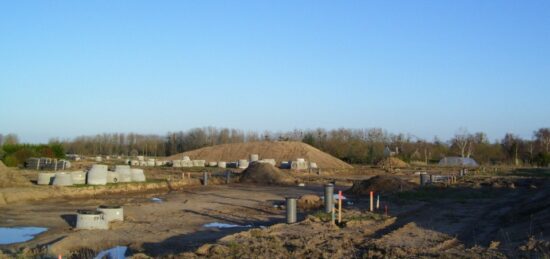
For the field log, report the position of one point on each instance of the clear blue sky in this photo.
(70, 68)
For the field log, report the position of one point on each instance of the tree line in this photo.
(357, 146)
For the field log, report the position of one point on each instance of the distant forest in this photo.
(356, 146)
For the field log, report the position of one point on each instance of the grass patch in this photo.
(530, 172)
(365, 216)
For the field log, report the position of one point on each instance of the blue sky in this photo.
(70, 68)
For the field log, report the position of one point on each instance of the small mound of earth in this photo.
(9, 178)
(309, 202)
(264, 173)
(392, 162)
(381, 183)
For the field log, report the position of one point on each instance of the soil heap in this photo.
(392, 162)
(381, 183)
(9, 178)
(278, 150)
(264, 173)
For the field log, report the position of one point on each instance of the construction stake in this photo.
(339, 207)
(371, 201)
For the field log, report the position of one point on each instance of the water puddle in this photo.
(18, 234)
(157, 200)
(224, 225)
(116, 252)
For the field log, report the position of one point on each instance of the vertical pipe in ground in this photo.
(290, 210)
(227, 176)
(424, 179)
(329, 197)
(205, 178)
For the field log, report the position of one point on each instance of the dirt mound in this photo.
(309, 202)
(381, 183)
(9, 178)
(264, 173)
(278, 150)
(392, 162)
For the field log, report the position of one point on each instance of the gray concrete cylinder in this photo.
(424, 179)
(112, 212)
(227, 177)
(79, 177)
(91, 219)
(290, 210)
(137, 175)
(205, 178)
(329, 197)
(45, 178)
(63, 179)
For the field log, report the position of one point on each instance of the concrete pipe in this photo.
(113, 177)
(227, 177)
(137, 175)
(424, 179)
(290, 210)
(329, 197)
(112, 212)
(222, 164)
(124, 173)
(79, 177)
(313, 165)
(212, 164)
(97, 175)
(243, 163)
(45, 178)
(63, 179)
(205, 178)
(91, 219)
(254, 157)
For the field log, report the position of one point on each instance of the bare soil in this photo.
(278, 150)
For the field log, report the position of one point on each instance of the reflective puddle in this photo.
(116, 252)
(13, 235)
(224, 225)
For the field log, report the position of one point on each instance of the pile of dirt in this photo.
(381, 183)
(278, 150)
(9, 178)
(393, 162)
(309, 202)
(264, 173)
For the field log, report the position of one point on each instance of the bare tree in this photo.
(463, 140)
(543, 138)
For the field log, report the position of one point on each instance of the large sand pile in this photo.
(278, 150)
(264, 173)
(381, 183)
(9, 178)
(392, 162)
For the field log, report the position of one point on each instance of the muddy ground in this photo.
(483, 216)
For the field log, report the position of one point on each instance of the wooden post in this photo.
(188, 175)
(371, 200)
(339, 207)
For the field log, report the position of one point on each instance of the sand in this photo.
(10, 178)
(380, 183)
(278, 150)
(263, 173)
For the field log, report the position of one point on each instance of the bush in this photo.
(543, 159)
(11, 161)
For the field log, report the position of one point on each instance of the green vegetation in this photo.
(17, 154)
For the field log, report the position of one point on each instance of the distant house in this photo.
(458, 161)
